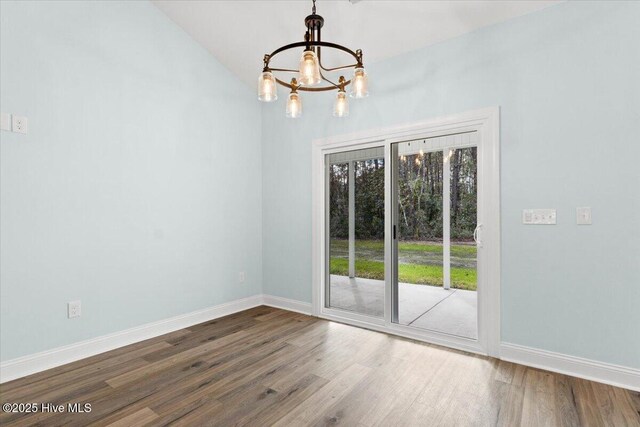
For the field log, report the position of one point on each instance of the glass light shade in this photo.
(267, 87)
(294, 106)
(309, 69)
(359, 84)
(341, 105)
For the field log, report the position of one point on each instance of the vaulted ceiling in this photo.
(239, 33)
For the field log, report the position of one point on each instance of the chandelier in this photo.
(311, 73)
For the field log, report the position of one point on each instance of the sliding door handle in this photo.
(476, 234)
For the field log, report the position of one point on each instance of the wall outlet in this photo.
(19, 124)
(241, 277)
(74, 309)
(539, 216)
(583, 216)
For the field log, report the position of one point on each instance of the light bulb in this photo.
(267, 87)
(341, 105)
(294, 106)
(309, 69)
(359, 84)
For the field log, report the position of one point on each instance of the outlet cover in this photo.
(74, 309)
(19, 124)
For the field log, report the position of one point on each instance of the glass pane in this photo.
(462, 306)
(420, 234)
(356, 226)
(436, 219)
(464, 214)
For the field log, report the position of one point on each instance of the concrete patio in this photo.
(451, 311)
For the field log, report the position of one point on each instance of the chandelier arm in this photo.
(337, 68)
(329, 81)
(310, 89)
(318, 49)
(286, 70)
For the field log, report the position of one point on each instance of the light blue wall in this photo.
(120, 194)
(137, 189)
(567, 80)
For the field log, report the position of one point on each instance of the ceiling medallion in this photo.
(310, 76)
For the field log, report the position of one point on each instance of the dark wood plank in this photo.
(566, 409)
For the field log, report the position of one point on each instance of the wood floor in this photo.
(267, 367)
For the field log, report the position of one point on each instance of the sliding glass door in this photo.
(434, 193)
(355, 183)
(406, 230)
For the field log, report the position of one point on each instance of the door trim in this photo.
(487, 123)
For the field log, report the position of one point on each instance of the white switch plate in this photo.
(241, 277)
(5, 121)
(539, 216)
(74, 309)
(19, 124)
(583, 216)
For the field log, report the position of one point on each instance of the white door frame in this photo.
(487, 123)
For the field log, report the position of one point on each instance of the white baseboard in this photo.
(619, 376)
(30, 364)
(287, 304)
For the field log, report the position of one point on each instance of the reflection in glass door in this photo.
(435, 203)
(355, 238)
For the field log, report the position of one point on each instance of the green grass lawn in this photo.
(463, 251)
(461, 278)
(426, 271)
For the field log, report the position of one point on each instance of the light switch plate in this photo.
(539, 216)
(583, 216)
